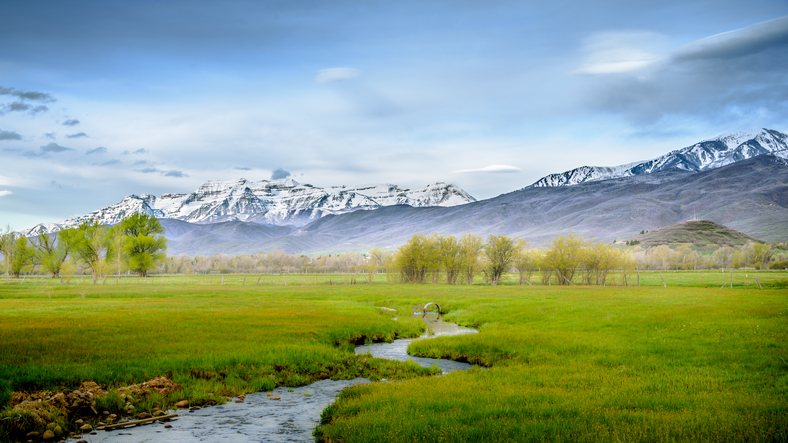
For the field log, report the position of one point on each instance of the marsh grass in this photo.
(590, 364)
(683, 363)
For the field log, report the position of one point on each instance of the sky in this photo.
(103, 99)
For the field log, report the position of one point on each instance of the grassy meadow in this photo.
(686, 362)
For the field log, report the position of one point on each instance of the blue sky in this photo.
(103, 99)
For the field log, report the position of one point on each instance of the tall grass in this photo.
(690, 362)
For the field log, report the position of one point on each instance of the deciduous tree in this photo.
(145, 242)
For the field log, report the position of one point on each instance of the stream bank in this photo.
(292, 418)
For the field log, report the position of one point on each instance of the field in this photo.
(687, 362)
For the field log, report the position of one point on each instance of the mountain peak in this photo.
(704, 155)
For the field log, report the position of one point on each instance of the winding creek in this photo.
(291, 419)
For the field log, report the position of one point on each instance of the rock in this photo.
(49, 435)
(167, 426)
(143, 415)
(158, 413)
(276, 397)
(239, 400)
(58, 431)
(156, 404)
(79, 422)
(105, 413)
(86, 427)
(182, 404)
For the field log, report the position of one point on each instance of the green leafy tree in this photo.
(117, 242)
(145, 243)
(50, 252)
(470, 248)
(564, 256)
(90, 246)
(7, 247)
(525, 261)
(22, 257)
(500, 251)
(411, 259)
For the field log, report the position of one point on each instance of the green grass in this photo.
(690, 362)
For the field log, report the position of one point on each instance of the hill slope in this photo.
(698, 233)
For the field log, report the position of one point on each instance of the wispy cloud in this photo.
(736, 73)
(77, 135)
(71, 122)
(169, 173)
(22, 97)
(490, 168)
(335, 75)
(109, 162)
(99, 150)
(27, 95)
(137, 152)
(5, 193)
(54, 147)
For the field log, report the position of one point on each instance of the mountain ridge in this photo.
(749, 196)
(704, 155)
(269, 202)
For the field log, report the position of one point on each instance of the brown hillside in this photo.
(698, 233)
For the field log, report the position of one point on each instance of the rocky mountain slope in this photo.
(750, 196)
(274, 202)
(702, 156)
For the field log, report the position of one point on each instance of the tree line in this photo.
(453, 260)
(137, 243)
(749, 255)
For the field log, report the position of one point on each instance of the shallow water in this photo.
(398, 350)
(260, 419)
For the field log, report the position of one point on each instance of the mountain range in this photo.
(270, 202)
(702, 156)
(750, 196)
(739, 180)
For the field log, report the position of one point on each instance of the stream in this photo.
(291, 419)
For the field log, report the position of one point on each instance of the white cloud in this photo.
(335, 75)
(491, 168)
(5, 193)
(615, 52)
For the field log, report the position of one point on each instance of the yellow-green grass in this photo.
(742, 278)
(590, 364)
(243, 340)
(565, 363)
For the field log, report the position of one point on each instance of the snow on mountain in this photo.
(275, 202)
(708, 154)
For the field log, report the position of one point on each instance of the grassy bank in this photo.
(687, 362)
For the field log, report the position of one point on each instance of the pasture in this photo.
(687, 362)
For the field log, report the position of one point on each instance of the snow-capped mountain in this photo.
(275, 202)
(708, 154)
